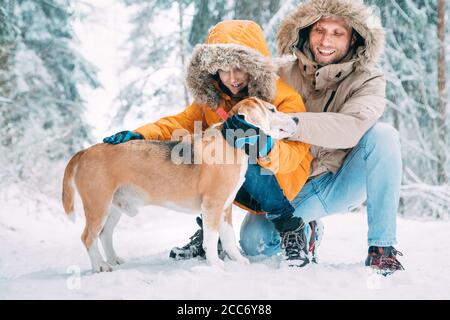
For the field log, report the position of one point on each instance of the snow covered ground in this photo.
(42, 257)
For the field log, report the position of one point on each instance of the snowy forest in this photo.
(57, 96)
(42, 70)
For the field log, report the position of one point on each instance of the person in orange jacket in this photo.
(232, 65)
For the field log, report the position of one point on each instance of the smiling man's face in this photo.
(330, 39)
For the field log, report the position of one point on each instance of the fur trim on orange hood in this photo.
(231, 44)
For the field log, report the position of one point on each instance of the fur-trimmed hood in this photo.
(361, 17)
(231, 44)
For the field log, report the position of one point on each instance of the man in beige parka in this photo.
(329, 49)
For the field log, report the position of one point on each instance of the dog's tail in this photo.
(68, 185)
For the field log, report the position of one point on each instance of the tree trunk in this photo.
(249, 9)
(182, 49)
(442, 100)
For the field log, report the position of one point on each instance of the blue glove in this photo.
(252, 137)
(123, 136)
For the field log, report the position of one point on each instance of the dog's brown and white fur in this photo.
(112, 179)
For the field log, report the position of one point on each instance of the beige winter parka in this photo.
(342, 100)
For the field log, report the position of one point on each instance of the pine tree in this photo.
(41, 110)
(158, 54)
(442, 94)
(259, 11)
(207, 14)
(410, 62)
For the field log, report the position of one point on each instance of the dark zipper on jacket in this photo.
(329, 101)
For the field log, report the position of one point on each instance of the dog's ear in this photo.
(267, 106)
(248, 102)
(255, 113)
(236, 107)
(232, 112)
(244, 106)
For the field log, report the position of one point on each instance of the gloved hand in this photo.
(252, 137)
(123, 136)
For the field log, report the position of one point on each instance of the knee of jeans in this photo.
(382, 135)
(252, 168)
(258, 236)
(254, 171)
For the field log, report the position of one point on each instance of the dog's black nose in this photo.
(295, 120)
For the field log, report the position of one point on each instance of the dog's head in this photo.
(265, 116)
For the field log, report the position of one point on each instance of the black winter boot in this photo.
(293, 241)
(384, 259)
(195, 246)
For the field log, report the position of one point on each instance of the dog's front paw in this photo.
(238, 257)
(242, 260)
(217, 263)
(103, 267)
(116, 261)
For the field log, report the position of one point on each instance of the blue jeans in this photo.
(372, 171)
(261, 192)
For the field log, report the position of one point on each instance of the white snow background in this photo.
(42, 257)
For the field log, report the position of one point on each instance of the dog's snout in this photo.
(295, 120)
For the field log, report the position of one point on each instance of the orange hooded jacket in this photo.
(240, 44)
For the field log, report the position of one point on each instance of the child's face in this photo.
(235, 79)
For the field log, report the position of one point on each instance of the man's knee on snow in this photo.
(258, 236)
(382, 135)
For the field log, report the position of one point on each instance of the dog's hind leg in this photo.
(228, 238)
(94, 225)
(98, 264)
(106, 236)
(90, 240)
(212, 216)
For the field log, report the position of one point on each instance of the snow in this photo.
(42, 257)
